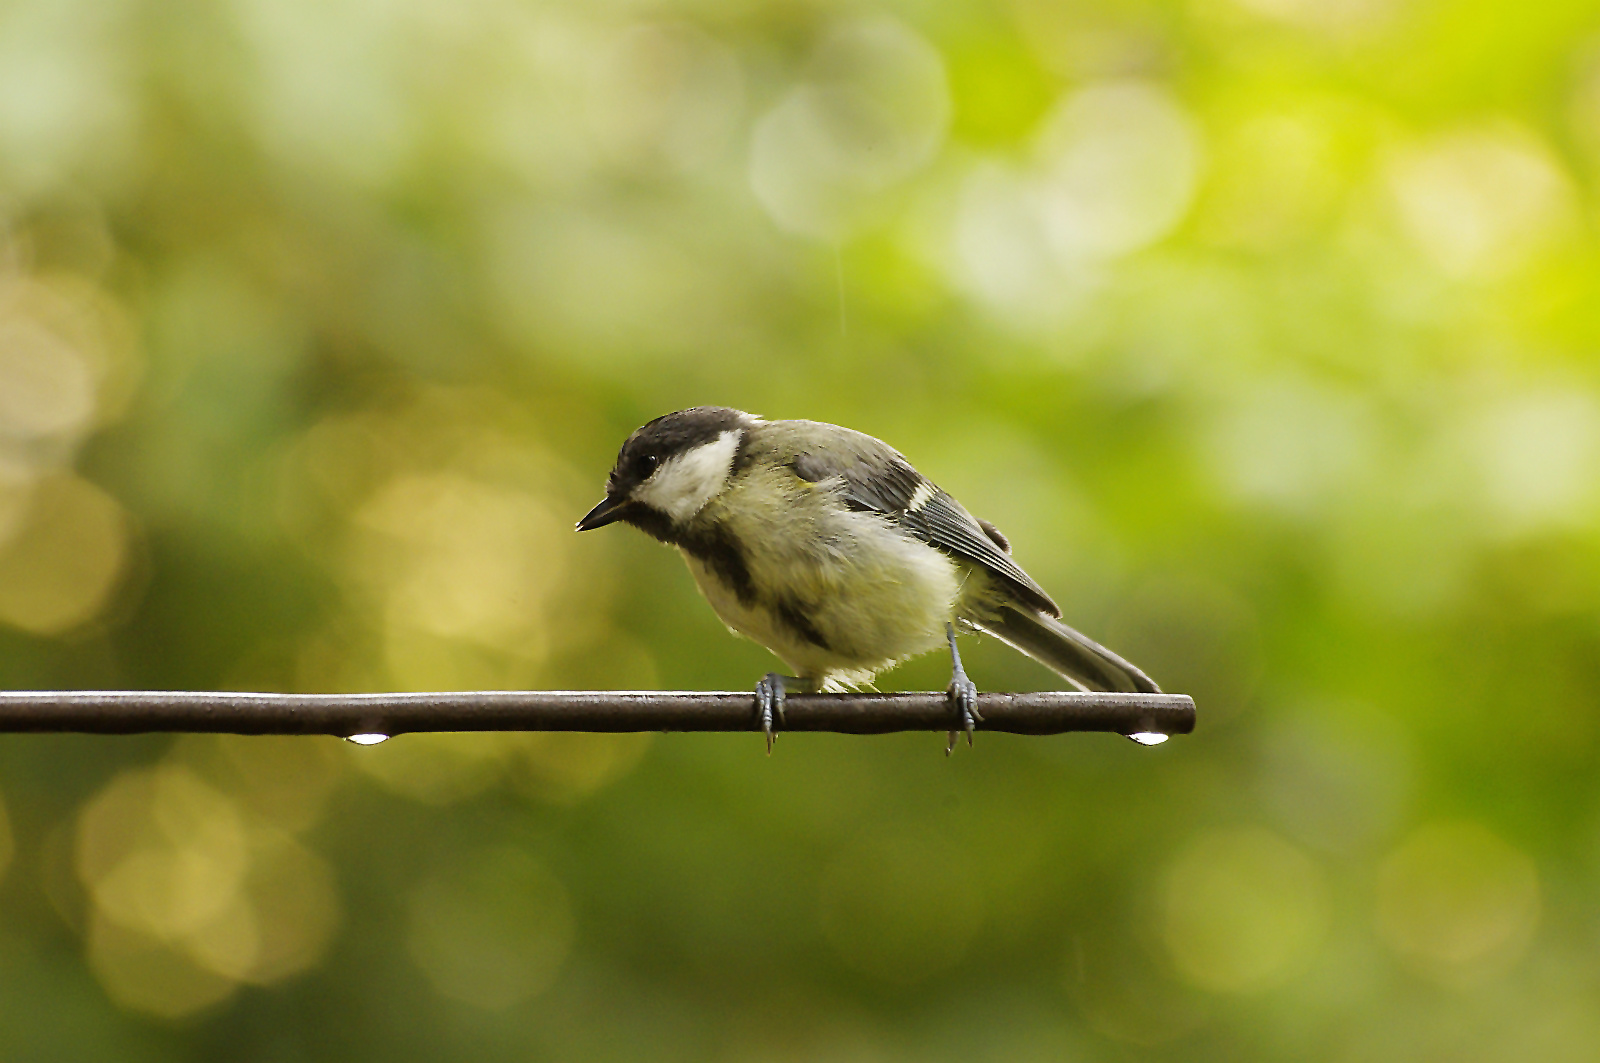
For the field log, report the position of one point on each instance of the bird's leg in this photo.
(769, 703)
(963, 695)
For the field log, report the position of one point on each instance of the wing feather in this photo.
(890, 485)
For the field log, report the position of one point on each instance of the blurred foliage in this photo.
(1267, 330)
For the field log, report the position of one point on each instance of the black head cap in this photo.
(666, 437)
(652, 444)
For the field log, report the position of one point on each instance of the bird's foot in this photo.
(963, 697)
(769, 705)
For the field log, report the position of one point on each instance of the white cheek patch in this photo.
(685, 483)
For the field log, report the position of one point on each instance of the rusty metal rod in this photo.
(143, 711)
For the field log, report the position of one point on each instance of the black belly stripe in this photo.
(721, 554)
(792, 614)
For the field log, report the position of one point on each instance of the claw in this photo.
(769, 705)
(963, 696)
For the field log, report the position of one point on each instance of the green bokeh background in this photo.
(1267, 330)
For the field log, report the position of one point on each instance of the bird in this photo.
(826, 546)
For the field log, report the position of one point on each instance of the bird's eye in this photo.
(646, 464)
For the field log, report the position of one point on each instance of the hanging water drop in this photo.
(366, 739)
(1149, 738)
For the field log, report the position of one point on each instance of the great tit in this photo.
(824, 545)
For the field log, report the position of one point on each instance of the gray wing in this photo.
(878, 479)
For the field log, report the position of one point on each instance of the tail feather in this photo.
(1073, 655)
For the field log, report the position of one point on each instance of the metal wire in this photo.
(142, 711)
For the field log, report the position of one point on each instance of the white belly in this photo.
(874, 596)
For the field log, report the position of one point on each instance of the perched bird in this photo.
(824, 545)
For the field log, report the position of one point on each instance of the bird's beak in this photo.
(608, 511)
